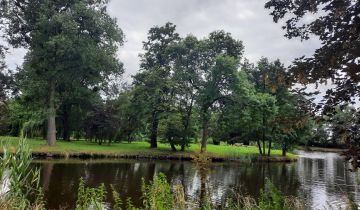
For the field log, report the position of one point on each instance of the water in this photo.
(321, 179)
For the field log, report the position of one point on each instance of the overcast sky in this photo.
(246, 20)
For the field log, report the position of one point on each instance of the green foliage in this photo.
(117, 200)
(152, 84)
(7, 83)
(22, 181)
(90, 198)
(280, 112)
(271, 198)
(72, 52)
(158, 195)
(336, 24)
(17, 119)
(346, 128)
(130, 205)
(172, 129)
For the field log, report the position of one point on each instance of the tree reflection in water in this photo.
(316, 179)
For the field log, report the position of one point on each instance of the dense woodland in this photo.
(188, 89)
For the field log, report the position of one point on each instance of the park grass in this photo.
(136, 149)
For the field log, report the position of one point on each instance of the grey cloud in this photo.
(247, 20)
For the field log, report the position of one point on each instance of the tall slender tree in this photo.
(185, 58)
(152, 84)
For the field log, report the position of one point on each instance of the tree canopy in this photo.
(337, 24)
(72, 46)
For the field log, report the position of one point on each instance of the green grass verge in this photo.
(136, 148)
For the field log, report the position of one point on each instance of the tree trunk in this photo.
(283, 149)
(66, 127)
(269, 149)
(205, 125)
(263, 135)
(154, 128)
(173, 148)
(259, 145)
(51, 127)
(187, 125)
(264, 147)
(183, 145)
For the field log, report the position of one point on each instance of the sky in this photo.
(246, 20)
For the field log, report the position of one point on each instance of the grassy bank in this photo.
(138, 150)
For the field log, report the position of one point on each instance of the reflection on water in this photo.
(326, 180)
(319, 178)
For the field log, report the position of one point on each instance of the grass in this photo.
(140, 148)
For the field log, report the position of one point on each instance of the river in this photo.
(320, 179)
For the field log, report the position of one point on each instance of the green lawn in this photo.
(135, 148)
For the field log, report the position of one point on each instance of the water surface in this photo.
(321, 179)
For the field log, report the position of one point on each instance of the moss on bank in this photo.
(141, 150)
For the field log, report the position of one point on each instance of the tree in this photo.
(234, 119)
(337, 24)
(102, 123)
(69, 42)
(296, 117)
(172, 130)
(217, 75)
(6, 78)
(129, 115)
(289, 110)
(215, 89)
(185, 56)
(152, 84)
(269, 79)
(346, 127)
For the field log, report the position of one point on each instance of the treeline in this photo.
(187, 89)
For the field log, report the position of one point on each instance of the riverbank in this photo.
(323, 149)
(140, 150)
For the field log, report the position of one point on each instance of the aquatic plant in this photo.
(18, 180)
(90, 198)
(157, 195)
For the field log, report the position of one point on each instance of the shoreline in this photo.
(323, 149)
(140, 150)
(177, 157)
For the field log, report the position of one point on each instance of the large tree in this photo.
(152, 83)
(69, 43)
(216, 76)
(234, 120)
(185, 57)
